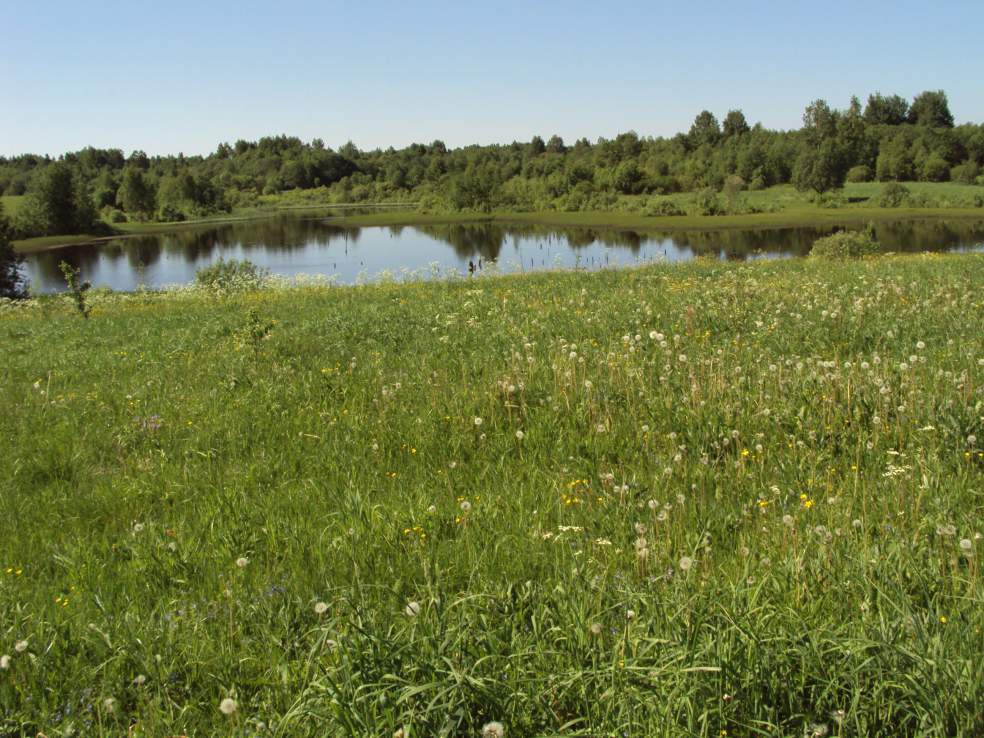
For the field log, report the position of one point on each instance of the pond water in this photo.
(294, 244)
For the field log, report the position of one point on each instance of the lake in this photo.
(295, 244)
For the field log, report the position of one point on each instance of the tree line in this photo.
(887, 139)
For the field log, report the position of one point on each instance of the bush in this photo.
(965, 173)
(845, 245)
(893, 195)
(231, 275)
(116, 216)
(170, 214)
(707, 202)
(829, 200)
(860, 173)
(660, 206)
(935, 169)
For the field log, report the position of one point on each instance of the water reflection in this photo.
(292, 244)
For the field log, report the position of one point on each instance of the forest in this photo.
(887, 139)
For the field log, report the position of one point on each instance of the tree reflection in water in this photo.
(291, 244)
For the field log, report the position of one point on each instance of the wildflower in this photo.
(493, 730)
(478, 422)
(20, 646)
(227, 706)
(465, 506)
(137, 527)
(4, 662)
(241, 562)
(686, 563)
(320, 608)
(412, 609)
(520, 435)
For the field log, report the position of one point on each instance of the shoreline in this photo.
(793, 218)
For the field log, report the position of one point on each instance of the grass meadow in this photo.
(711, 499)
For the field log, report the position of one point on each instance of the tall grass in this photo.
(710, 499)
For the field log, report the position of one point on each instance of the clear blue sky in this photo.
(172, 76)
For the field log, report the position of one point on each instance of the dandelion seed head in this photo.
(686, 563)
(494, 729)
(320, 608)
(478, 421)
(228, 706)
(241, 562)
(20, 646)
(5, 661)
(412, 609)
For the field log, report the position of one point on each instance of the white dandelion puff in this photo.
(412, 609)
(228, 706)
(494, 729)
(320, 608)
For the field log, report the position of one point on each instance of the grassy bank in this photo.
(681, 500)
(799, 217)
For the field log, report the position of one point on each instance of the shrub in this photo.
(845, 245)
(170, 214)
(660, 206)
(231, 275)
(707, 202)
(860, 173)
(117, 216)
(935, 169)
(893, 195)
(965, 173)
(829, 200)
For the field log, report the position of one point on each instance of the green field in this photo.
(708, 499)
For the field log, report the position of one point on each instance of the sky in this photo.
(175, 76)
